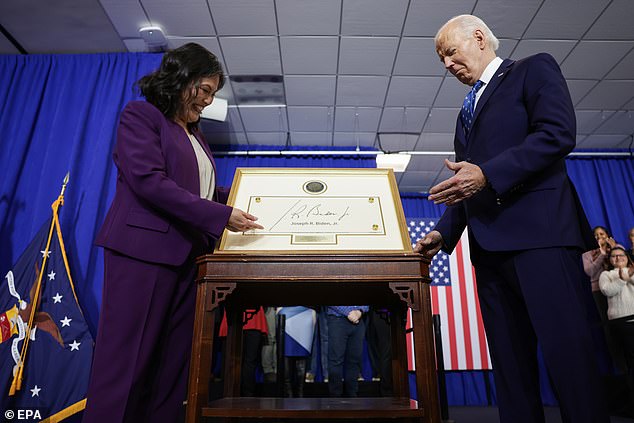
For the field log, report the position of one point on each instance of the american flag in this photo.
(454, 298)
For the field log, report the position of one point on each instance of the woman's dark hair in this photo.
(618, 247)
(179, 69)
(604, 230)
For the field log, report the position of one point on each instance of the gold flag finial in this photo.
(66, 178)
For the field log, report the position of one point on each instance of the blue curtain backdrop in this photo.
(58, 113)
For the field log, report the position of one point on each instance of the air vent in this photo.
(254, 90)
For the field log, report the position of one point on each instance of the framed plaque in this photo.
(317, 210)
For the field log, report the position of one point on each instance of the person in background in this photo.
(595, 262)
(299, 329)
(378, 336)
(617, 284)
(269, 349)
(319, 354)
(346, 331)
(527, 229)
(166, 211)
(630, 251)
(254, 332)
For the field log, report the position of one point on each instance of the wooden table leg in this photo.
(202, 347)
(426, 379)
(233, 350)
(400, 377)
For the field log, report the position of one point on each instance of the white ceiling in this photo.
(356, 71)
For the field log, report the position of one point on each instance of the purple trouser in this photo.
(143, 346)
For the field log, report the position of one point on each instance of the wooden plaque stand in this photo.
(395, 281)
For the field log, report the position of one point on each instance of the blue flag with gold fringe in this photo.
(45, 346)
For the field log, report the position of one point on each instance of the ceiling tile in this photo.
(629, 105)
(621, 122)
(234, 120)
(307, 139)
(175, 19)
(309, 55)
(605, 55)
(433, 163)
(353, 139)
(579, 88)
(126, 16)
(603, 141)
(251, 55)
(451, 93)
(357, 119)
(589, 120)
(210, 43)
(556, 19)
(244, 17)
(308, 17)
(559, 49)
(264, 119)
(608, 95)
(435, 142)
(267, 138)
(425, 17)
(62, 26)
(367, 55)
(412, 90)
(310, 119)
(6, 47)
(615, 23)
(361, 90)
(403, 119)
(226, 138)
(417, 57)
(507, 18)
(210, 126)
(373, 17)
(624, 69)
(506, 47)
(397, 142)
(135, 45)
(310, 90)
(441, 120)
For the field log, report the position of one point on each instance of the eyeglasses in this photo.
(617, 255)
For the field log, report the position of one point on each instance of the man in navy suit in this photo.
(527, 229)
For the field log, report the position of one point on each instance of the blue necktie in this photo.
(468, 106)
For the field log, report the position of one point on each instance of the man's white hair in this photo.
(468, 24)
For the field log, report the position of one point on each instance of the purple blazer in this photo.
(157, 214)
(523, 128)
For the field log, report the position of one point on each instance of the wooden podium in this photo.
(392, 280)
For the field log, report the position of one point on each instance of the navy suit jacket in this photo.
(157, 214)
(524, 126)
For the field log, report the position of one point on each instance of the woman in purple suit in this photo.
(166, 211)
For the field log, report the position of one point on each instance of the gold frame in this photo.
(311, 174)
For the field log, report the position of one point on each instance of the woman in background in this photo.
(595, 262)
(166, 211)
(617, 283)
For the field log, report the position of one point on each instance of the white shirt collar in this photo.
(490, 70)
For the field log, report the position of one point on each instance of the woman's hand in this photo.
(626, 273)
(241, 221)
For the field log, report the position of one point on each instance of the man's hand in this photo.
(240, 221)
(467, 181)
(429, 245)
(354, 316)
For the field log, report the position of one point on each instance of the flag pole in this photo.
(16, 384)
